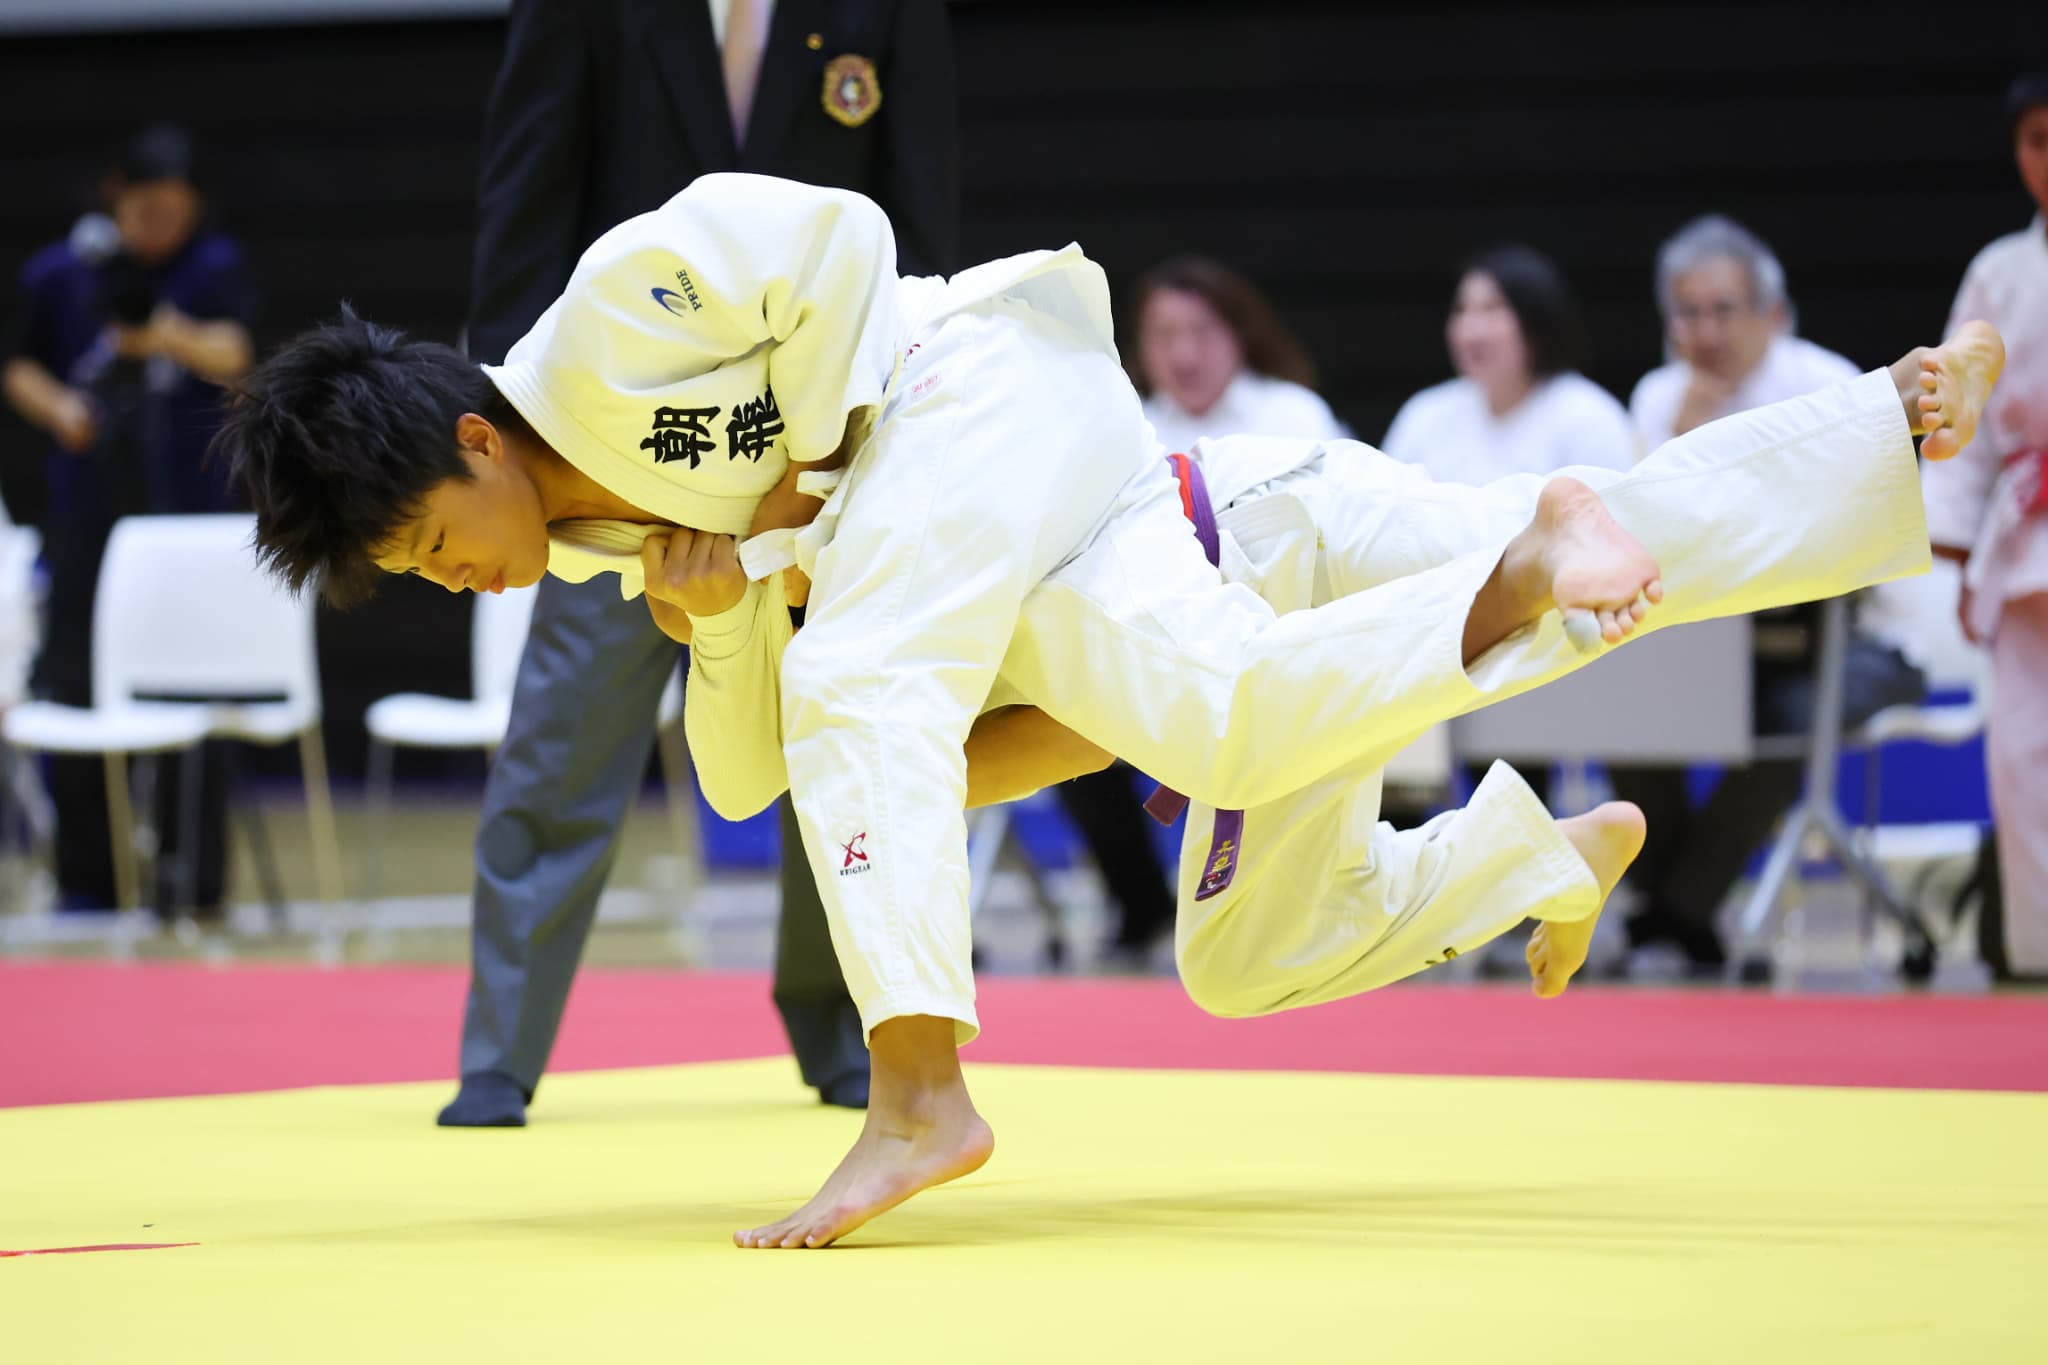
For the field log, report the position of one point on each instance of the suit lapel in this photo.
(679, 42)
(789, 81)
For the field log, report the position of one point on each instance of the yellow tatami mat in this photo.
(1127, 1216)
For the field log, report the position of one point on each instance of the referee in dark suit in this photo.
(603, 109)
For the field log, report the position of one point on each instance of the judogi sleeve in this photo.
(732, 708)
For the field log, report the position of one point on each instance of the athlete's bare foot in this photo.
(921, 1131)
(1954, 381)
(1575, 557)
(1608, 837)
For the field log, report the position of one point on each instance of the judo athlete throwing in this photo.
(960, 469)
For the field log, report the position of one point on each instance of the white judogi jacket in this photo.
(1979, 499)
(733, 704)
(700, 348)
(746, 323)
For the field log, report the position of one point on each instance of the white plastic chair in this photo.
(415, 720)
(1922, 849)
(22, 796)
(1818, 811)
(183, 611)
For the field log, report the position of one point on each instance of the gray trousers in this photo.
(582, 729)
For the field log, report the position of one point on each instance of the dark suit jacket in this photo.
(603, 109)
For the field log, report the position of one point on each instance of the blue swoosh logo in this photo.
(662, 297)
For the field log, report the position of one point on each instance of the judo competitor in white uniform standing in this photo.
(1002, 509)
(1989, 511)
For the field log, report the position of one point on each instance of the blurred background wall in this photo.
(1347, 156)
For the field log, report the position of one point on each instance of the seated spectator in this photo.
(1518, 404)
(1728, 325)
(1728, 322)
(1215, 360)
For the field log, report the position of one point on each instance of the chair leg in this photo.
(320, 815)
(265, 858)
(1873, 793)
(121, 832)
(376, 819)
(1756, 914)
(988, 831)
(191, 790)
(679, 789)
(36, 810)
(1050, 908)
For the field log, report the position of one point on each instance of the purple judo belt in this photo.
(1165, 804)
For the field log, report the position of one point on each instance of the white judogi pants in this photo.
(2016, 748)
(1010, 490)
(1799, 500)
(1005, 442)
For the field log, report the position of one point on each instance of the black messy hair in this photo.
(337, 439)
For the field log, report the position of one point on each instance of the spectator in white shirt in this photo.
(1519, 404)
(1729, 326)
(1215, 360)
(1728, 321)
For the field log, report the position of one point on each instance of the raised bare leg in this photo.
(1574, 557)
(921, 1130)
(1945, 387)
(1608, 837)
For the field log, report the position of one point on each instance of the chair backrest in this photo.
(183, 611)
(20, 626)
(496, 640)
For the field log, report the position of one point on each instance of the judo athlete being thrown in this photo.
(961, 471)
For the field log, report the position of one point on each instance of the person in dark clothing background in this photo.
(129, 328)
(604, 109)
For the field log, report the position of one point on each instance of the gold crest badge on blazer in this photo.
(852, 93)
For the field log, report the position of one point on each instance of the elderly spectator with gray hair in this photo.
(1729, 325)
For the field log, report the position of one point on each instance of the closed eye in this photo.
(439, 541)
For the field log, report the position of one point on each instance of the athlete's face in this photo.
(1717, 322)
(1189, 352)
(484, 533)
(1485, 336)
(2030, 151)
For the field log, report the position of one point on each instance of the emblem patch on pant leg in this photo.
(1224, 854)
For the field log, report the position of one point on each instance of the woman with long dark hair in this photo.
(1518, 404)
(1214, 359)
